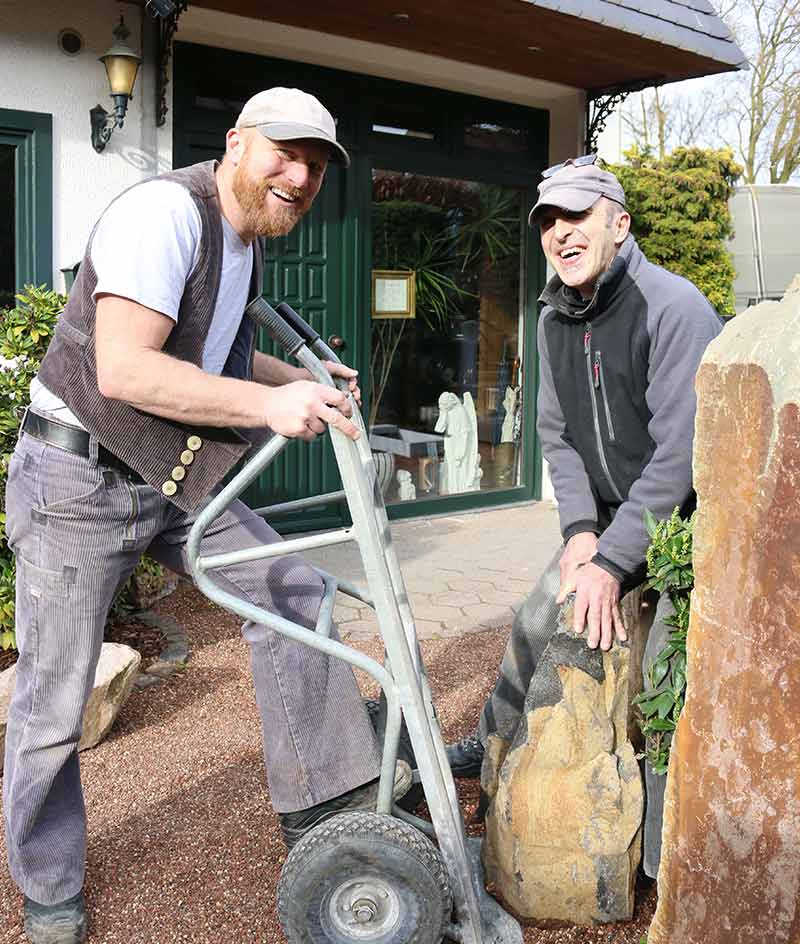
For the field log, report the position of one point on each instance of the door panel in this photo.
(304, 270)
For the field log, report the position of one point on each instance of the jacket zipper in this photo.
(594, 381)
(600, 382)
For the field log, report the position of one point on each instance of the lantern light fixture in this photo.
(121, 64)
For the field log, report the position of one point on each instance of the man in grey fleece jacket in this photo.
(620, 340)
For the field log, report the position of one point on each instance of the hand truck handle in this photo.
(315, 342)
(265, 315)
(300, 325)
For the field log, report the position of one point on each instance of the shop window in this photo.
(445, 384)
(407, 122)
(214, 103)
(504, 138)
(404, 132)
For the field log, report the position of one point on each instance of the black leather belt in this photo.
(73, 439)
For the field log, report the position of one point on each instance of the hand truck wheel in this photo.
(364, 878)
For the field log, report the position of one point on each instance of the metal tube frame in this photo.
(402, 678)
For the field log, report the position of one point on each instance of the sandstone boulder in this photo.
(113, 681)
(563, 831)
(116, 671)
(730, 865)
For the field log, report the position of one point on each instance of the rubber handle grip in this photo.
(302, 327)
(265, 315)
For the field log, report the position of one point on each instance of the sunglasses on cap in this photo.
(582, 161)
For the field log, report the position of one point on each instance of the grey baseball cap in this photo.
(284, 114)
(575, 188)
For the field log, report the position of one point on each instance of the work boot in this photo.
(466, 757)
(64, 923)
(296, 824)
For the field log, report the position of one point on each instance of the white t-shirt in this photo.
(146, 246)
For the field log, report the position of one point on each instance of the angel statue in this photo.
(458, 422)
(406, 489)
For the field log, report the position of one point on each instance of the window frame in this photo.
(31, 134)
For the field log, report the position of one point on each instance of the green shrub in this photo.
(25, 332)
(669, 570)
(680, 215)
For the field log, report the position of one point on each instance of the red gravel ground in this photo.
(183, 845)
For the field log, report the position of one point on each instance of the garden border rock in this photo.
(173, 656)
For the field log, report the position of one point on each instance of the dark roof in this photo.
(596, 45)
(691, 25)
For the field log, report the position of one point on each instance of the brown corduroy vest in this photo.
(149, 444)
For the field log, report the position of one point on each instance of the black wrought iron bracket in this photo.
(167, 27)
(600, 103)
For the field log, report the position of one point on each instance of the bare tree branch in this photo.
(756, 113)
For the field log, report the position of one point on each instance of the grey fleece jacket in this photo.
(616, 402)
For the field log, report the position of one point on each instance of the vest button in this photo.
(169, 489)
(178, 473)
(187, 457)
(194, 443)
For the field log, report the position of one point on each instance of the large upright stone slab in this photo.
(730, 865)
(564, 828)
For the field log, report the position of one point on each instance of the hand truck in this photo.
(387, 877)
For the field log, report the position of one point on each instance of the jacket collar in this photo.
(567, 301)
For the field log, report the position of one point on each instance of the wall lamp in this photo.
(121, 64)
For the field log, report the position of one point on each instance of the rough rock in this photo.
(6, 688)
(730, 866)
(563, 832)
(113, 681)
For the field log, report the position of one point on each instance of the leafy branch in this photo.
(669, 569)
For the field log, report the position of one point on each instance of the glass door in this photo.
(447, 303)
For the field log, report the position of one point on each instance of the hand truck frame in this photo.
(370, 909)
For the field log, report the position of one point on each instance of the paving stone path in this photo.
(463, 573)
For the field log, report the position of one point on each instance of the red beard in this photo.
(261, 219)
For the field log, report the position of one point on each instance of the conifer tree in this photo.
(680, 215)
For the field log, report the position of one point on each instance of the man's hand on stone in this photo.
(597, 606)
(580, 549)
(302, 410)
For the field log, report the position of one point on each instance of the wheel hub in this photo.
(364, 908)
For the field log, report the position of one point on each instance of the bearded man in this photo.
(139, 410)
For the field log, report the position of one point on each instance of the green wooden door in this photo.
(313, 269)
(323, 268)
(305, 269)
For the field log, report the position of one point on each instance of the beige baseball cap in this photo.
(575, 186)
(288, 114)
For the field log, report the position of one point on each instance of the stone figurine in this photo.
(458, 422)
(405, 485)
(510, 407)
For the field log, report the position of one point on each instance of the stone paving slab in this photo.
(464, 573)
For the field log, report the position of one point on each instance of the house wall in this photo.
(35, 75)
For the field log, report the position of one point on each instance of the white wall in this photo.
(35, 75)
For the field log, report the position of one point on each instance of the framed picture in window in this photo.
(393, 293)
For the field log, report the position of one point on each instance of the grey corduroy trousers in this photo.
(532, 630)
(77, 531)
